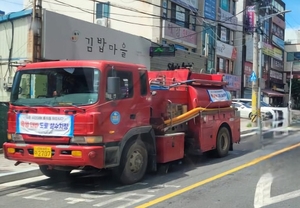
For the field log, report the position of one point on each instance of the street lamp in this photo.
(260, 47)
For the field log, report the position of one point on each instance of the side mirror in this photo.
(113, 85)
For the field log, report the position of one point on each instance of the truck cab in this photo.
(69, 115)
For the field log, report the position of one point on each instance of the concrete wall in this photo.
(161, 63)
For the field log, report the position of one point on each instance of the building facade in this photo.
(203, 32)
(273, 75)
(163, 22)
(14, 36)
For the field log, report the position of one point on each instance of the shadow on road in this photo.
(104, 183)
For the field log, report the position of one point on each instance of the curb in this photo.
(248, 131)
(10, 177)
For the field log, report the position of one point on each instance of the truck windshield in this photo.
(56, 86)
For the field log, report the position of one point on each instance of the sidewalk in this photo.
(9, 172)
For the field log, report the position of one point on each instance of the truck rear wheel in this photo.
(54, 174)
(133, 164)
(223, 142)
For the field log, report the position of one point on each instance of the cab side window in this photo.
(143, 82)
(126, 84)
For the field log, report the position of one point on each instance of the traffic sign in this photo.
(253, 77)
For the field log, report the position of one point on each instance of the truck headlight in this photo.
(15, 137)
(87, 139)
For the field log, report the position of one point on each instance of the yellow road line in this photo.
(201, 183)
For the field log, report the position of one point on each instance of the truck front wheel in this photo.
(133, 163)
(54, 174)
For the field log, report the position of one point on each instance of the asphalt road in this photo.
(273, 183)
(235, 189)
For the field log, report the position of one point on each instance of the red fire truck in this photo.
(68, 115)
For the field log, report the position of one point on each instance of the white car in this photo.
(249, 101)
(246, 110)
(264, 106)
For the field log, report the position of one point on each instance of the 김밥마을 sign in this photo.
(218, 95)
(81, 40)
(45, 124)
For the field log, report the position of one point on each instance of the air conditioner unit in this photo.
(103, 22)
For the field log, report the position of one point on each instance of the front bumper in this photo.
(61, 155)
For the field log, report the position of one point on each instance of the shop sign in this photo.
(248, 68)
(276, 64)
(276, 75)
(226, 51)
(234, 82)
(278, 22)
(272, 51)
(179, 34)
(278, 42)
(210, 9)
(227, 19)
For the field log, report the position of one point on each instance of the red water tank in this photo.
(208, 97)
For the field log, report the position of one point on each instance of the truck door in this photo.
(121, 111)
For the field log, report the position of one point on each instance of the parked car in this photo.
(249, 101)
(246, 110)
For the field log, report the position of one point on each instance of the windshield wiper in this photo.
(47, 105)
(22, 105)
(75, 106)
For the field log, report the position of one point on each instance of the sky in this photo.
(292, 18)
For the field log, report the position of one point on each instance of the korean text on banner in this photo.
(218, 95)
(45, 124)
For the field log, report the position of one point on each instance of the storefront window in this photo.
(223, 34)
(210, 31)
(266, 38)
(276, 30)
(224, 66)
(180, 15)
(225, 5)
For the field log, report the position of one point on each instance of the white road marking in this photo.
(159, 187)
(96, 194)
(37, 196)
(126, 197)
(263, 193)
(24, 181)
(128, 186)
(77, 200)
(23, 192)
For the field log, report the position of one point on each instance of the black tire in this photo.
(54, 174)
(133, 163)
(223, 142)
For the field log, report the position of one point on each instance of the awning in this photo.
(272, 93)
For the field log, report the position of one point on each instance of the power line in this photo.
(197, 15)
(134, 23)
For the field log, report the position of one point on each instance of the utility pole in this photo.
(290, 94)
(35, 32)
(255, 82)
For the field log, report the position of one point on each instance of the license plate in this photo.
(42, 152)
